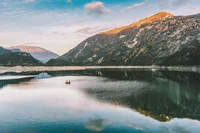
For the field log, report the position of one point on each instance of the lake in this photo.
(100, 100)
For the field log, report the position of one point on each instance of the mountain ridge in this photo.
(150, 19)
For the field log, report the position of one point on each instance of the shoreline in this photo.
(63, 68)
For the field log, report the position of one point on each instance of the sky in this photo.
(60, 25)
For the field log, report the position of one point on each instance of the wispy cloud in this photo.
(96, 8)
(29, 1)
(172, 4)
(136, 5)
(94, 29)
(69, 1)
(5, 3)
(194, 10)
(83, 30)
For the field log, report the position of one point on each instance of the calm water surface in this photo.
(104, 101)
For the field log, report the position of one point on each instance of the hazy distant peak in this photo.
(156, 17)
(39, 53)
(29, 49)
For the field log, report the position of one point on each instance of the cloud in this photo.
(29, 1)
(69, 1)
(96, 8)
(178, 3)
(136, 5)
(97, 125)
(93, 30)
(5, 3)
(194, 10)
(84, 30)
(172, 4)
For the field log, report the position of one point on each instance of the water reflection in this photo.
(106, 101)
(4, 83)
(161, 95)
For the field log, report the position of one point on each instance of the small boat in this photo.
(68, 82)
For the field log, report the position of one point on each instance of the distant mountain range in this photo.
(25, 56)
(161, 39)
(37, 52)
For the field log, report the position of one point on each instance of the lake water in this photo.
(101, 100)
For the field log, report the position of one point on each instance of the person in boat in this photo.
(68, 82)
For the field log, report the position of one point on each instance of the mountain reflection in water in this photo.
(161, 94)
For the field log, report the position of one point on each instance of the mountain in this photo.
(4, 51)
(15, 50)
(37, 52)
(161, 39)
(18, 59)
(60, 62)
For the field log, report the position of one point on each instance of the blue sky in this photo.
(59, 25)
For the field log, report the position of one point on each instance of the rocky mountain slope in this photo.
(161, 39)
(18, 59)
(156, 17)
(37, 52)
(4, 51)
(59, 62)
